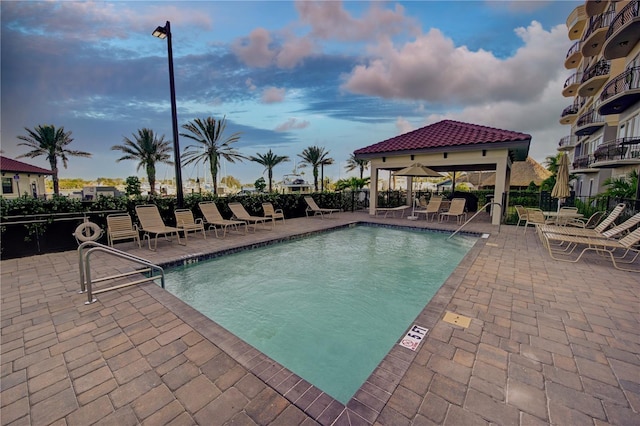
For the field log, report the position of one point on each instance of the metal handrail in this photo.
(85, 269)
(477, 213)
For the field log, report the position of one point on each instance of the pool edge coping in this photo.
(366, 404)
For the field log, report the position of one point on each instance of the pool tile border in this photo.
(372, 396)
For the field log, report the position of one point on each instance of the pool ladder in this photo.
(477, 213)
(86, 249)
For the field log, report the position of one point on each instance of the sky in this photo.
(341, 75)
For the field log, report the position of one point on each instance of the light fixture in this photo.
(160, 32)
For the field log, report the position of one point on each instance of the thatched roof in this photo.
(522, 174)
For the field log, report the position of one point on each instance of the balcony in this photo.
(576, 21)
(594, 77)
(574, 55)
(571, 85)
(567, 143)
(624, 32)
(569, 114)
(582, 164)
(596, 34)
(618, 153)
(621, 92)
(595, 7)
(588, 123)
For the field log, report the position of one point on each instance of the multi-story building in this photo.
(604, 113)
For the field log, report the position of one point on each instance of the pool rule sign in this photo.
(414, 336)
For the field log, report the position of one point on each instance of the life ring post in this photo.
(87, 231)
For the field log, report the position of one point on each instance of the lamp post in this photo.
(162, 33)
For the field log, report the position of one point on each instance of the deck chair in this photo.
(272, 212)
(535, 217)
(522, 215)
(570, 243)
(590, 223)
(432, 208)
(614, 232)
(186, 222)
(121, 227)
(239, 213)
(312, 207)
(151, 224)
(213, 218)
(392, 211)
(456, 209)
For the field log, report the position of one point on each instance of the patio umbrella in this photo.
(416, 170)
(561, 189)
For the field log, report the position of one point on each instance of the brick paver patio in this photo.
(549, 342)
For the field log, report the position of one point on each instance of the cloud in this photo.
(273, 95)
(294, 51)
(254, 50)
(433, 69)
(403, 126)
(250, 85)
(292, 124)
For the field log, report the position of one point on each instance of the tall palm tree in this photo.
(325, 162)
(208, 133)
(148, 149)
(314, 156)
(269, 161)
(357, 163)
(51, 142)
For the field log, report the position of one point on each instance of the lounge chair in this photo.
(432, 208)
(186, 222)
(121, 227)
(590, 223)
(596, 232)
(456, 209)
(535, 217)
(391, 210)
(213, 218)
(272, 212)
(151, 224)
(239, 213)
(570, 243)
(312, 207)
(522, 215)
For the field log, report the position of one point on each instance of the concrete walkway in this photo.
(548, 342)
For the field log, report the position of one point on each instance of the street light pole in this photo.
(165, 32)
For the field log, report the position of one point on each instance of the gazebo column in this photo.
(373, 190)
(503, 178)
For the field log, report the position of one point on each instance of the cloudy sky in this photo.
(287, 75)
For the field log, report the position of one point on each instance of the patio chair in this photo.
(432, 208)
(312, 207)
(535, 217)
(392, 211)
(151, 224)
(522, 215)
(239, 213)
(456, 209)
(121, 227)
(186, 222)
(213, 218)
(570, 243)
(272, 212)
(590, 223)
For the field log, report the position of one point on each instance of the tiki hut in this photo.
(522, 174)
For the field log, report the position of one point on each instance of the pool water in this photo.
(328, 307)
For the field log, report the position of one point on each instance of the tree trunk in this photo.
(151, 175)
(270, 174)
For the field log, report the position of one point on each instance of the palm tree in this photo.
(314, 156)
(357, 163)
(269, 161)
(147, 149)
(51, 142)
(208, 134)
(325, 162)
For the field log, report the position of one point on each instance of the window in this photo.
(7, 185)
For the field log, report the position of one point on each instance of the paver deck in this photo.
(548, 342)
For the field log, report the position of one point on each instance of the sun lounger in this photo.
(570, 243)
(239, 213)
(456, 209)
(152, 225)
(432, 208)
(616, 231)
(213, 218)
(522, 215)
(121, 227)
(186, 222)
(272, 212)
(391, 210)
(312, 207)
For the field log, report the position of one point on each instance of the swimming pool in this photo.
(327, 307)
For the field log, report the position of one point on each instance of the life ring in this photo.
(87, 231)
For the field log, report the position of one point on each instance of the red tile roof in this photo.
(9, 165)
(446, 133)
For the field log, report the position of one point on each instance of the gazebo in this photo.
(450, 146)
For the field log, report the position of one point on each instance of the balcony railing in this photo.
(624, 32)
(576, 78)
(582, 162)
(626, 15)
(600, 21)
(619, 149)
(567, 143)
(628, 80)
(602, 67)
(574, 55)
(570, 110)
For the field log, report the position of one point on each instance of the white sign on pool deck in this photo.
(413, 337)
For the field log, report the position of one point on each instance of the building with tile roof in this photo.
(20, 178)
(449, 146)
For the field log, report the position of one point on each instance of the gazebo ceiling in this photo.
(450, 136)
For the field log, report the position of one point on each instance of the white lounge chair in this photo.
(186, 222)
(151, 224)
(312, 207)
(213, 218)
(239, 213)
